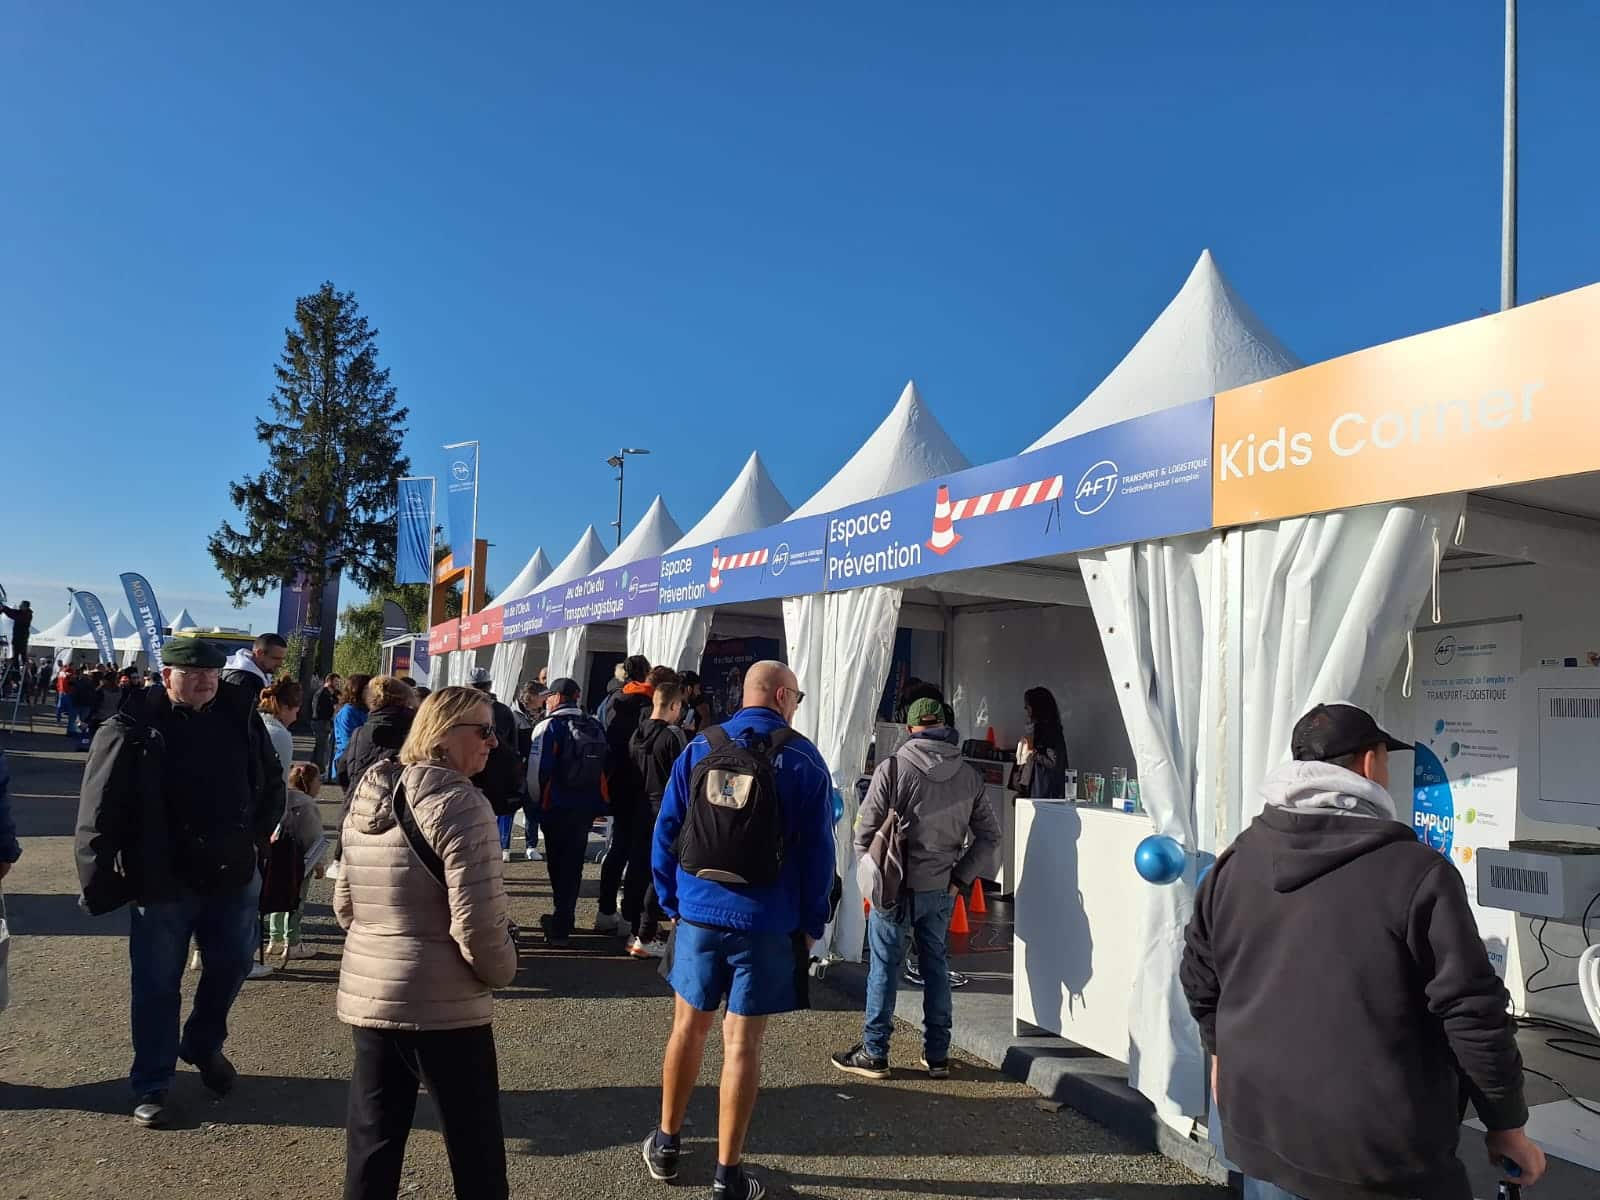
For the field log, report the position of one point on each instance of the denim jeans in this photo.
(924, 916)
(226, 929)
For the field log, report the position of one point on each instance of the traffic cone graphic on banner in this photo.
(716, 568)
(958, 919)
(944, 534)
(979, 905)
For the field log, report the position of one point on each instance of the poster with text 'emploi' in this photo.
(1465, 785)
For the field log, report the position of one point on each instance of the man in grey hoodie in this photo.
(952, 839)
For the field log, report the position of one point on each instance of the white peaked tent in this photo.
(505, 669)
(184, 621)
(581, 560)
(72, 632)
(840, 643)
(1205, 341)
(655, 531)
(677, 639)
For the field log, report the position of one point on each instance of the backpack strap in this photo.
(716, 737)
(779, 739)
(426, 854)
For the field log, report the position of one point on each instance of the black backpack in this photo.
(733, 830)
(581, 762)
(501, 780)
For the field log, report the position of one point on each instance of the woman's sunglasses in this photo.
(484, 731)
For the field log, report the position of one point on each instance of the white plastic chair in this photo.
(1589, 982)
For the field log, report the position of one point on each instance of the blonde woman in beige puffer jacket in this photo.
(428, 938)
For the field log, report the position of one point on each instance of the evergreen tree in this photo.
(324, 504)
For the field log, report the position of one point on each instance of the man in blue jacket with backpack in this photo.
(743, 860)
(567, 781)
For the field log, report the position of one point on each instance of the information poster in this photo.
(1465, 785)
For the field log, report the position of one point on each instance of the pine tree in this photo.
(324, 504)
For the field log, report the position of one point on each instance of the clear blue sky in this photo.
(710, 228)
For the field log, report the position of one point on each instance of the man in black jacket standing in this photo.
(323, 706)
(629, 852)
(656, 745)
(1341, 987)
(179, 798)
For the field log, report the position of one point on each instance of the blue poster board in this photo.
(784, 560)
(1137, 480)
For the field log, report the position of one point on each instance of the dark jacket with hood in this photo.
(654, 748)
(323, 704)
(176, 797)
(626, 708)
(380, 738)
(1337, 975)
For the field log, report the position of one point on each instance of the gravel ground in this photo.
(580, 1036)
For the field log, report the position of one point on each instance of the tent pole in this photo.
(1508, 169)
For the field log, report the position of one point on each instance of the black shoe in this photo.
(743, 1186)
(557, 941)
(913, 974)
(216, 1072)
(857, 1061)
(660, 1161)
(937, 1070)
(151, 1112)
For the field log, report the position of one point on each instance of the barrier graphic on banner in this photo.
(1145, 478)
(1464, 786)
(765, 564)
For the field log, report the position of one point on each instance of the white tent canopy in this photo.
(582, 560)
(505, 668)
(184, 621)
(73, 632)
(677, 639)
(1205, 341)
(840, 642)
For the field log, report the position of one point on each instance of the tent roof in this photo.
(184, 621)
(580, 560)
(751, 502)
(121, 627)
(527, 580)
(72, 625)
(655, 532)
(1205, 341)
(908, 448)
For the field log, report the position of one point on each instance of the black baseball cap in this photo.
(565, 688)
(1332, 731)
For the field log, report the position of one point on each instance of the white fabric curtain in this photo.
(671, 639)
(1154, 604)
(567, 647)
(505, 669)
(1328, 602)
(460, 667)
(839, 646)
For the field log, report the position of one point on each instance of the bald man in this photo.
(747, 943)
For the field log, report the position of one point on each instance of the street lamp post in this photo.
(619, 461)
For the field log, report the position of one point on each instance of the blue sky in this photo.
(710, 228)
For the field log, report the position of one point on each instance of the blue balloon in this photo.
(1206, 861)
(838, 806)
(1159, 859)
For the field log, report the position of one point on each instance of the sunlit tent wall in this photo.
(509, 660)
(581, 560)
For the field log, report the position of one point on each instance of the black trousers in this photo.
(566, 837)
(639, 907)
(625, 822)
(459, 1067)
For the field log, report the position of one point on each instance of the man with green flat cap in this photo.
(180, 795)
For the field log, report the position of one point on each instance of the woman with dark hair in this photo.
(1042, 754)
(352, 714)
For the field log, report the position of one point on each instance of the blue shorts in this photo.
(757, 973)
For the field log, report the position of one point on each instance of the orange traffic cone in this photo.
(958, 919)
(716, 568)
(944, 536)
(978, 904)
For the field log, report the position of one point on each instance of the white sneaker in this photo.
(194, 959)
(276, 949)
(643, 949)
(608, 923)
(301, 950)
(533, 855)
(332, 870)
(505, 856)
(259, 970)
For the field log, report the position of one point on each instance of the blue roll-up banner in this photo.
(146, 614)
(413, 558)
(461, 499)
(1133, 481)
(94, 615)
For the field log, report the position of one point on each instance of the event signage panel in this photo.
(529, 615)
(621, 592)
(481, 628)
(1502, 399)
(766, 564)
(94, 616)
(142, 600)
(444, 637)
(1145, 478)
(461, 498)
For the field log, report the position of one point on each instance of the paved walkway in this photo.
(580, 1035)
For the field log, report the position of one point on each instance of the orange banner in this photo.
(1503, 399)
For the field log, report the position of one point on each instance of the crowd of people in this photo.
(720, 862)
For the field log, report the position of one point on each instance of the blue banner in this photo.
(766, 564)
(94, 615)
(1133, 481)
(413, 555)
(461, 500)
(146, 614)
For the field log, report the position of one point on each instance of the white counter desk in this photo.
(1079, 905)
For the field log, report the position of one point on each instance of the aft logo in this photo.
(1095, 489)
(1444, 653)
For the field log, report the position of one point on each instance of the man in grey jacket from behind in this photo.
(952, 839)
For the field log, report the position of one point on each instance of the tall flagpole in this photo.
(1508, 169)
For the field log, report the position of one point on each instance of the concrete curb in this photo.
(1060, 1070)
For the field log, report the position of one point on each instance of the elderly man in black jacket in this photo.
(179, 798)
(1340, 984)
